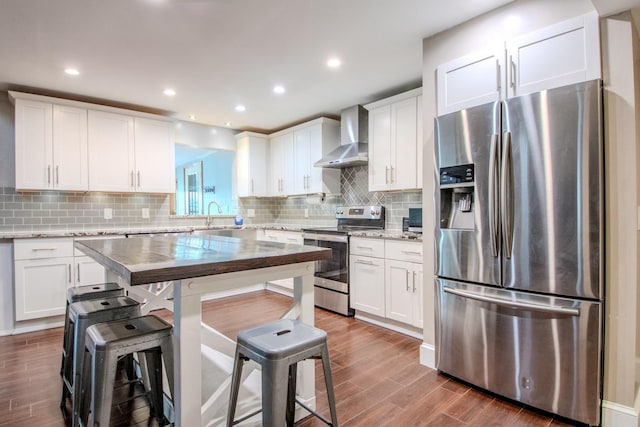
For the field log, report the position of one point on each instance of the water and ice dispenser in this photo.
(457, 202)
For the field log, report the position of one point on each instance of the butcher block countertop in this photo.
(163, 258)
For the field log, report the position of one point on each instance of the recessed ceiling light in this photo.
(334, 62)
(278, 89)
(240, 108)
(72, 71)
(169, 92)
(192, 117)
(227, 124)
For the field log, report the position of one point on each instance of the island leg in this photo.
(187, 359)
(303, 295)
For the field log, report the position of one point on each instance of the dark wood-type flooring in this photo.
(378, 379)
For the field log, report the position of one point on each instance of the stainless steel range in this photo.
(332, 275)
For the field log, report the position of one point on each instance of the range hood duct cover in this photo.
(354, 135)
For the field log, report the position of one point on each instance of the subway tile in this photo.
(13, 221)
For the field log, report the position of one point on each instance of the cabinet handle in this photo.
(43, 249)
(414, 282)
(133, 184)
(386, 174)
(78, 273)
(49, 174)
(365, 247)
(69, 265)
(411, 252)
(138, 179)
(365, 262)
(57, 176)
(392, 180)
(497, 75)
(513, 73)
(252, 190)
(407, 281)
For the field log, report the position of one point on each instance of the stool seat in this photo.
(281, 339)
(278, 347)
(99, 290)
(148, 336)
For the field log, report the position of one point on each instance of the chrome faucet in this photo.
(213, 202)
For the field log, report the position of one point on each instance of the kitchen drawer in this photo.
(42, 248)
(281, 236)
(403, 251)
(367, 247)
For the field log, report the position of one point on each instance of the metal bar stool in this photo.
(84, 293)
(278, 347)
(83, 314)
(148, 336)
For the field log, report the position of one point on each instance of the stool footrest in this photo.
(320, 417)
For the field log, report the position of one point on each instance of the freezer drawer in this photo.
(541, 351)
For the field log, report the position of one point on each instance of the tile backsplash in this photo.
(54, 211)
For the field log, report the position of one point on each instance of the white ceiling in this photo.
(220, 53)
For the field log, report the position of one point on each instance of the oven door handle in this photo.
(326, 237)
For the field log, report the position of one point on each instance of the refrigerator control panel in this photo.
(461, 174)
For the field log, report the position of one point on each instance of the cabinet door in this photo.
(70, 161)
(399, 290)
(34, 153)
(88, 272)
(154, 153)
(367, 284)
(282, 165)
(251, 161)
(379, 148)
(301, 160)
(111, 152)
(418, 293)
(41, 287)
(403, 145)
(559, 55)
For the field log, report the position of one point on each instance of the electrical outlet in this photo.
(108, 213)
(306, 213)
(145, 213)
(251, 213)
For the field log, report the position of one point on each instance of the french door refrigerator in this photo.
(519, 258)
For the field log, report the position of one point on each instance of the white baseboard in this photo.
(428, 355)
(274, 287)
(37, 325)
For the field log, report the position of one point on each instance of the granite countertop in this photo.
(388, 234)
(163, 258)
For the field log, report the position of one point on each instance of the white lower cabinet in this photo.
(44, 270)
(386, 279)
(366, 275)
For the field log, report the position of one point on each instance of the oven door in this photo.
(332, 273)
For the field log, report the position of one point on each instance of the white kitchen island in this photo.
(198, 265)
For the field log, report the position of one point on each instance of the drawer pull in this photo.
(412, 253)
(366, 262)
(369, 248)
(69, 265)
(43, 249)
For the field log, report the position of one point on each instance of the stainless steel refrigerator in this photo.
(519, 258)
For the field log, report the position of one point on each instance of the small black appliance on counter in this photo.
(415, 220)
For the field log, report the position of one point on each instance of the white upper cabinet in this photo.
(129, 154)
(558, 55)
(111, 152)
(281, 170)
(311, 143)
(154, 156)
(252, 156)
(293, 153)
(51, 146)
(394, 142)
(562, 54)
(474, 79)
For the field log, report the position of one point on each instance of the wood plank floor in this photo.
(377, 377)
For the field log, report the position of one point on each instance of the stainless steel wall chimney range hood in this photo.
(354, 135)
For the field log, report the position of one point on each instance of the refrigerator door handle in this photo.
(493, 199)
(506, 207)
(554, 309)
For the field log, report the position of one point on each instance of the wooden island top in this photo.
(151, 259)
